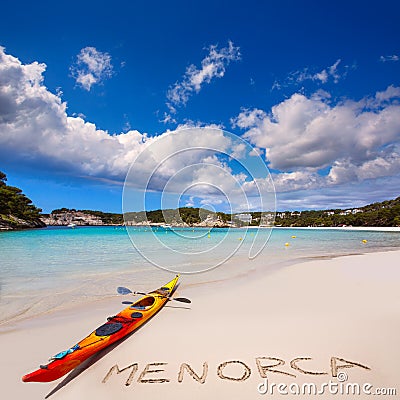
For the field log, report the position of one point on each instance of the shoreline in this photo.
(254, 272)
(346, 228)
(314, 310)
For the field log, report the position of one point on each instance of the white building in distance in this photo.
(244, 217)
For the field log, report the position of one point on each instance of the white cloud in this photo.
(190, 202)
(35, 128)
(356, 140)
(351, 194)
(296, 180)
(248, 118)
(327, 74)
(211, 201)
(212, 66)
(388, 94)
(384, 163)
(333, 72)
(393, 57)
(36, 132)
(168, 119)
(91, 67)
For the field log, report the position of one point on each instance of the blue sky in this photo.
(314, 85)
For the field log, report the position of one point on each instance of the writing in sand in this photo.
(234, 370)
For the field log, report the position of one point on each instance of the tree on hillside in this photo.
(14, 202)
(3, 178)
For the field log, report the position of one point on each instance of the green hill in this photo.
(188, 215)
(17, 212)
(386, 213)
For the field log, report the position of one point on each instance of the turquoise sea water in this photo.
(47, 269)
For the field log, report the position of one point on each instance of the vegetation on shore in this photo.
(17, 212)
(16, 209)
(184, 215)
(386, 213)
(187, 215)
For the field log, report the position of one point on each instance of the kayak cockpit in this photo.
(144, 304)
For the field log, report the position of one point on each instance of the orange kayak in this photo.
(114, 329)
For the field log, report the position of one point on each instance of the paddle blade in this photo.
(182, 299)
(123, 290)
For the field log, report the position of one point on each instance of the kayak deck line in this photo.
(117, 327)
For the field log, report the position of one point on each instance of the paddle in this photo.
(123, 290)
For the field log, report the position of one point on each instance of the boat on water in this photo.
(116, 328)
(71, 225)
(167, 227)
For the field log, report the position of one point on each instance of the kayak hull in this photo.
(116, 328)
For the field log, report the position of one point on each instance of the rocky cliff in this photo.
(11, 222)
(66, 218)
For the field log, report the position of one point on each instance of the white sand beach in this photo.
(312, 319)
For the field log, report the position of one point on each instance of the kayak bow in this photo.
(114, 329)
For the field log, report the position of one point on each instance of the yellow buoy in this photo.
(294, 237)
(365, 241)
(209, 235)
(286, 244)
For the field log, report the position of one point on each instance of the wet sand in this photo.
(305, 323)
